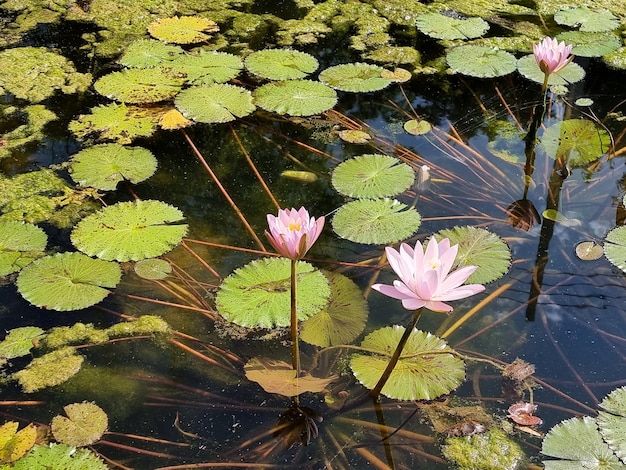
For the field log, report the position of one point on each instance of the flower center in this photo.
(433, 263)
(295, 226)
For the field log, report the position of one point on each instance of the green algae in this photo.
(33, 119)
(78, 333)
(492, 450)
(49, 370)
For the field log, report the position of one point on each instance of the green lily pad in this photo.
(615, 247)
(145, 53)
(343, 319)
(587, 19)
(19, 341)
(258, 294)
(281, 64)
(140, 85)
(57, 456)
(372, 176)
(183, 30)
(20, 244)
(295, 97)
(130, 231)
(590, 44)
(616, 59)
(207, 67)
(571, 73)
(104, 166)
(84, 424)
(479, 247)
(415, 127)
(67, 281)
(577, 443)
(215, 103)
(153, 268)
(49, 370)
(357, 77)
(575, 141)
(417, 375)
(376, 221)
(441, 26)
(612, 422)
(480, 61)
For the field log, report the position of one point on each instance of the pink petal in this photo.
(437, 306)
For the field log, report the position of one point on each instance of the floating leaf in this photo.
(13, 443)
(528, 67)
(575, 141)
(174, 119)
(556, 216)
(19, 341)
(376, 221)
(103, 166)
(20, 244)
(207, 67)
(300, 175)
(583, 102)
(67, 281)
(215, 103)
(415, 127)
(587, 19)
(85, 424)
(612, 422)
(130, 231)
(616, 59)
(59, 456)
(590, 44)
(140, 85)
(356, 77)
(281, 64)
(295, 97)
(258, 294)
(615, 247)
(479, 247)
(480, 61)
(372, 176)
(418, 375)
(145, 53)
(342, 320)
(354, 136)
(49, 370)
(589, 251)
(183, 30)
(441, 26)
(280, 378)
(397, 75)
(153, 268)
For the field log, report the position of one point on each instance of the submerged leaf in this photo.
(281, 64)
(49, 370)
(20, 244)
(85, 424)
(356, 77)
(153, 268)
(480, 61)
(215, 103)
(295, 97)
(576, 142)
(183, 30)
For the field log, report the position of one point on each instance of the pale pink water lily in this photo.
(551, 55)
(425, 277)
(293, 232)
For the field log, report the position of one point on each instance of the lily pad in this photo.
(258, 294)
(354, 136)
(357, 77)
(19, 341)
(480, 61)
(479, 247)
(207, 67)
(612, 422)
(140, 85)
(615, 247)
(342, 320)
(215, 103)
(441, 26)
(587, 20)
(174, 119)
(104, 166)
(84, 424)
(20, 244)
(13, 443)
(57, 456)
(67, 281)
(183, 30)
(575, 141)
(372, 176)
(130, 231)
(153, 268)
(418, 375)
(559, 218)
(590, 44)
(376, 221)
(145, 53)
(571, 73)
(295, 97)
(589, 250)
(415, 127)
(49, 370)
(281, 64)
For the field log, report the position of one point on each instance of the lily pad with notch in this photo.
(571, 73)
(281, 64)
(215, 103)
(145, 53)
(295, 97)
(19, 341)
(587, 19)
(355, 77)
(20, 244)
(590, 44)
(441, 26)
(136, 86)
(480, 61)
(183, 30)
(153, 268)
(575, 141)
(207, 67)
(84, 424)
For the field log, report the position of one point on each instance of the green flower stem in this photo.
(295, 346)
(396, 355)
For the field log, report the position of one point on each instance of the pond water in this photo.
(181, 399)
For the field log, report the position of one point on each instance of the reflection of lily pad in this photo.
(130, 231)
(591, 44)
(49, 370)
(354, 77)
(281, 64)
(612, 422)
(19, 341)
(215, 103)
(615, 247)
(183, 30)
(575, 141)
(295, 97)
(441, 26)
(342, 320)
(375, 221)
(153, 268)
(67, 281)
(587, 20)
(258, 294)
(140, 85)
(528, 67)
(417, 376)
(480, 61)
(84, 424)
(20, 244)
(207, 67)
(145, 53)
(372, 176)
(103, 166)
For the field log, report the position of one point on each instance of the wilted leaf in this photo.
(13, 443)
(85, 424)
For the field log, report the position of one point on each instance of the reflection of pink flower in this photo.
(425, 277)
(551, 55)
(522, 413)
(293, 232)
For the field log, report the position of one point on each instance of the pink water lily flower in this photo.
(425, 277)
(551, 55)
(293, 232)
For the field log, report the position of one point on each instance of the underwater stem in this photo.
(295, 347)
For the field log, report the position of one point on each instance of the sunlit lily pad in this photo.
(104, 166)
(342, 320)
(376, 221)
(153, 268)
(215, 103)
(398, 74)
(130, 231)
(590, 44)
(615, 247)
(418, 375)
(13, 443)
(441, 26)
(145, 53)
(295, 97)
(59, 456)
(140, 85)
(174, 119)
(20, 244)
(49, 370)
(354, 136)
(357, 77)
(528, 67)
(480, 61)
(415, 127)
(84, 424)
(587, 20)
(372, 176)
(575, 141)
(479, 247)
(612, 422)
(19, 341)
(67, 281)
(183, 30)
(281, 64)
(258, 294)
(589, 251)
(207, 67)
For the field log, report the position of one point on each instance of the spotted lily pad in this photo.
(130, 231)
(442, 26)
(480, 61)
(20, 244)
(590, 44)
(612, 422)
(207, 67)
(281, 64)
(153, 268)
(587, 20)
(145, 53)
(183, 30)
(372, 176)
(19, 341)
(615, 247)
(258, 294)
(215, 103)
(295, 97)
(575, 141)
(140, 85)
(357, 77)
(104, 166)
(418, 375)
(84, 424)
(49, 370)
(13, 443)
